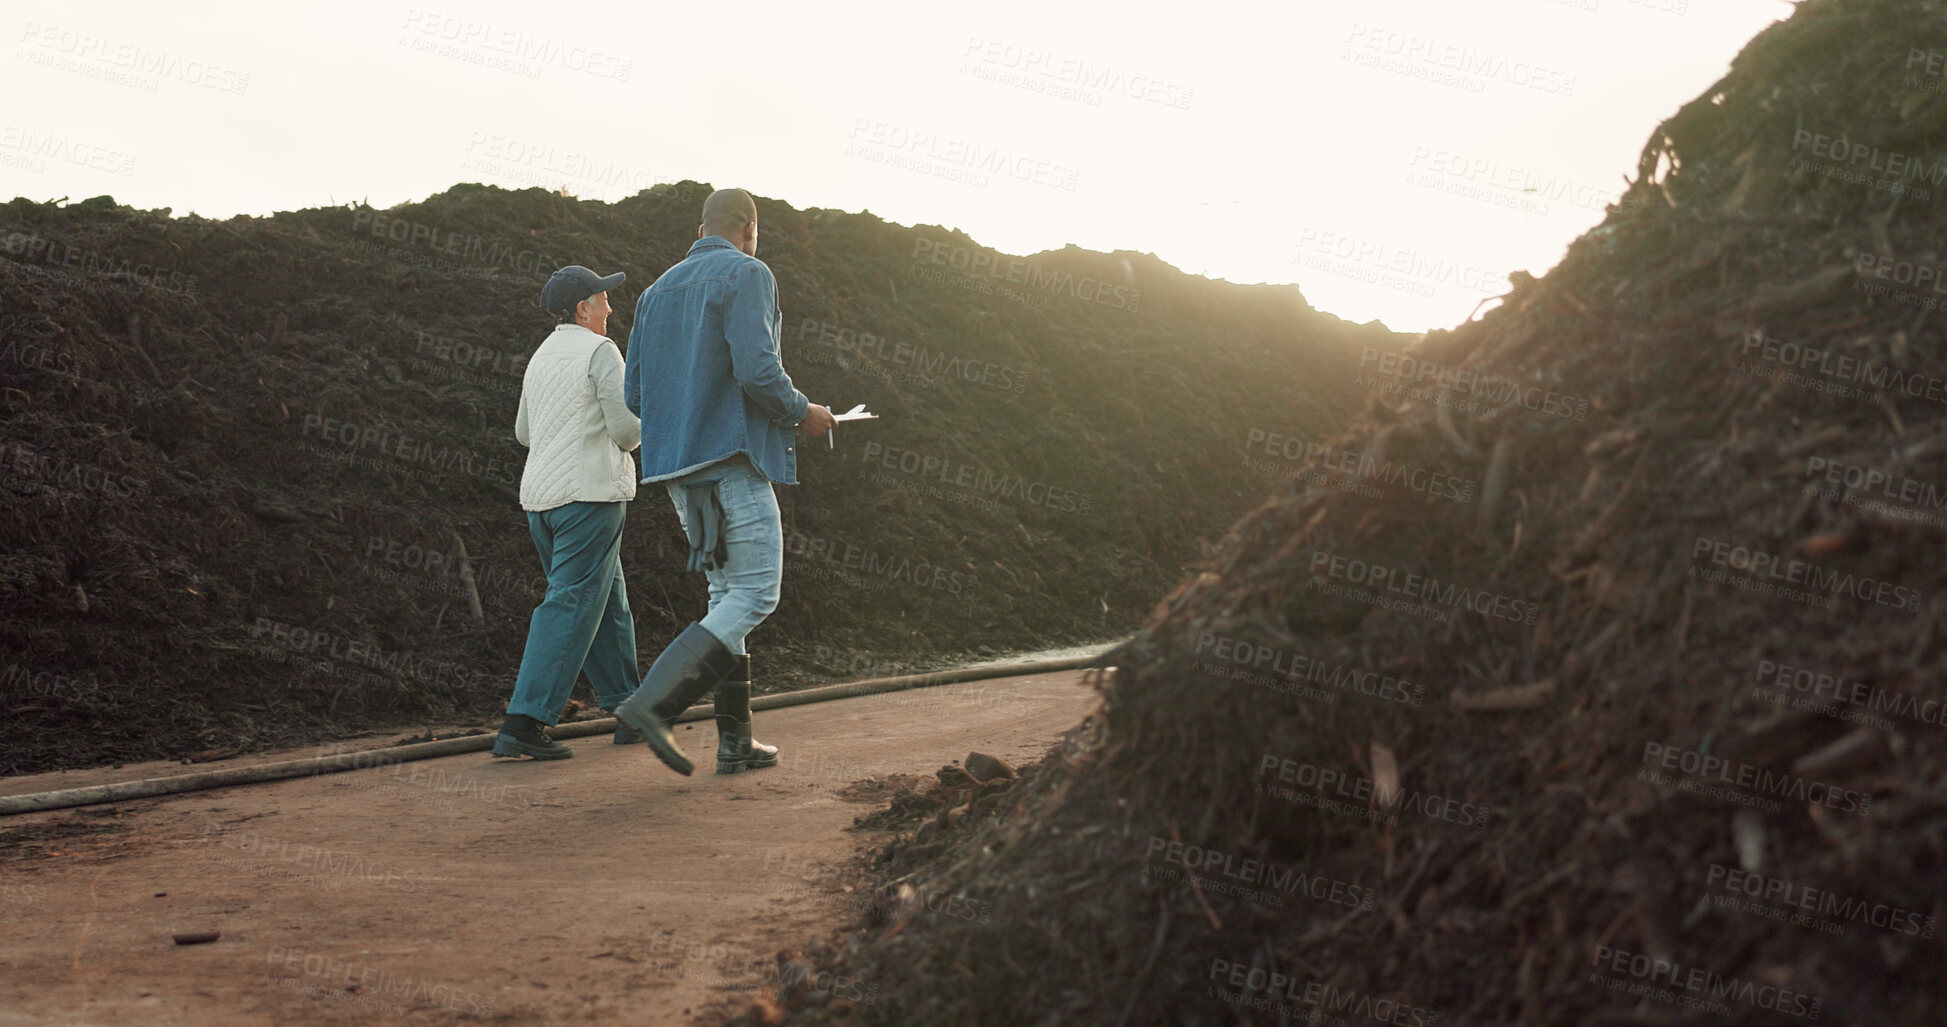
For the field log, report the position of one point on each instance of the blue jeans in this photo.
(744, 589)
(583, 623)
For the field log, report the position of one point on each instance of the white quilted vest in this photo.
(570, 457)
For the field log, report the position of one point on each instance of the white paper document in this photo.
(857, 413)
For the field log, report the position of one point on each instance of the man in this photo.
(578, 430)
(719, 411)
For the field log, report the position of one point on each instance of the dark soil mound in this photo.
(260, 472)
(1658, 713)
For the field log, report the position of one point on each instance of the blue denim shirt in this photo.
(704, 372)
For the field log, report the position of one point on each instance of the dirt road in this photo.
(599, 889)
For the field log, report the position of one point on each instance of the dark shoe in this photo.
(624, 734)
(525, 736)
(736, 750)
(691, 666)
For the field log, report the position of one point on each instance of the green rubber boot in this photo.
(736, 750)
(691, 666)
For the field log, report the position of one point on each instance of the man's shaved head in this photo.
(726, 211)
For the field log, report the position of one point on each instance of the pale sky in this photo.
(1375, 153)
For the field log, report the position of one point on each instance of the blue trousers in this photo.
(746, 588)
(583, 623)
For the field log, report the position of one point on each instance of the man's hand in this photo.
(817, 420)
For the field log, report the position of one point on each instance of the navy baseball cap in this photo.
(572, 284)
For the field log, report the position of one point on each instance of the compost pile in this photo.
(261, 486)
(1661, 702)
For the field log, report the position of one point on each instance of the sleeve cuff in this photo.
(804, 408)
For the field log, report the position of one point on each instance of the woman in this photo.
(578, 432)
